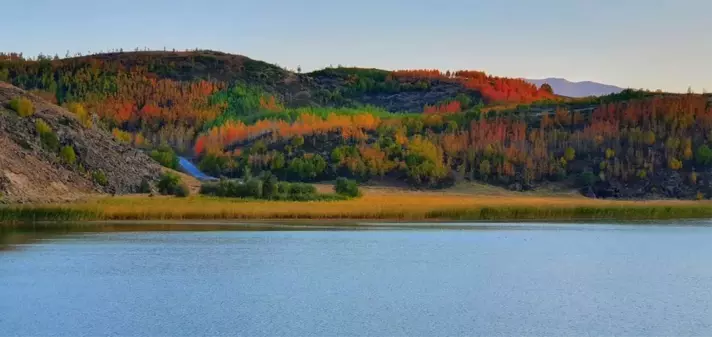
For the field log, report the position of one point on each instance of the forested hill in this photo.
(240, 117)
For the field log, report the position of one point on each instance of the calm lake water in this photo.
(536, 280)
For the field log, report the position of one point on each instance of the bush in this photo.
(81, 113)
(182, 191)
(283, 187)
(166, 157)
(168, 184)
(347, 187)
(121, 136)
(47, 137)
(22, 106)
(266, 188)
(42, 127)
(704, 155)
(67, 155)
(214, 165)
(301, 188)
(99, 177)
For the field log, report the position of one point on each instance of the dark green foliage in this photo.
(347, 187)
(214, 165)
(306, 168)
(50, 141)
(165, 156)
(253, 188)
(99, 177)
(269, 186)
(587, 179)
(145, 186)
(266, 188)
(171, 184)
(301, 188)
(704, 155)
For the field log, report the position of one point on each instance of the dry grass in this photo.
(378, 203)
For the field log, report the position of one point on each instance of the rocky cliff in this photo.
(34, 169)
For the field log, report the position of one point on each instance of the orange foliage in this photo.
(493, 88)
(445, 108)
(270, 104)
(306, 124)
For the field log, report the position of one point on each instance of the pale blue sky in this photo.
(653, 44)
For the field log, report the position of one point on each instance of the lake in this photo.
(488, 280)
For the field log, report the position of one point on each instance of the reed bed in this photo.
(386, 205)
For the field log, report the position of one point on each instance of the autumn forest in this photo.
(238, 117)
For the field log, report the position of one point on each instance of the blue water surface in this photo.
(533, 280)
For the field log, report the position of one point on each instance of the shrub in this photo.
(22, 106)
(121, 136)
(168, 184)
(47, 137)
(81, 113)
(569, 154)
(704, 155)
(166, 157)
(283, 187)
(99, 177)
(67, 155)
(266, 188)
(42, 127)
(347, 187)
(301, 188)
(182, 191)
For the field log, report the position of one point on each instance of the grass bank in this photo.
(383, 205)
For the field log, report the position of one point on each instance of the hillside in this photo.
(577, 89)
(239, 117)
(35, 165)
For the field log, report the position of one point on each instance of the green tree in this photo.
(704, 155)
(169, 184)
(165, 156)
(347, 187)
(67, 154)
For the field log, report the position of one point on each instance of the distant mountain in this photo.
(577, 89)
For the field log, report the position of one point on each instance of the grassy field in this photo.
(463, 203)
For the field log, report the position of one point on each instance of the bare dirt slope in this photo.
(32, 172)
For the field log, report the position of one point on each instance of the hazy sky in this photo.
(653, 44)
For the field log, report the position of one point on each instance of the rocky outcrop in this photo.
(30, 172)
